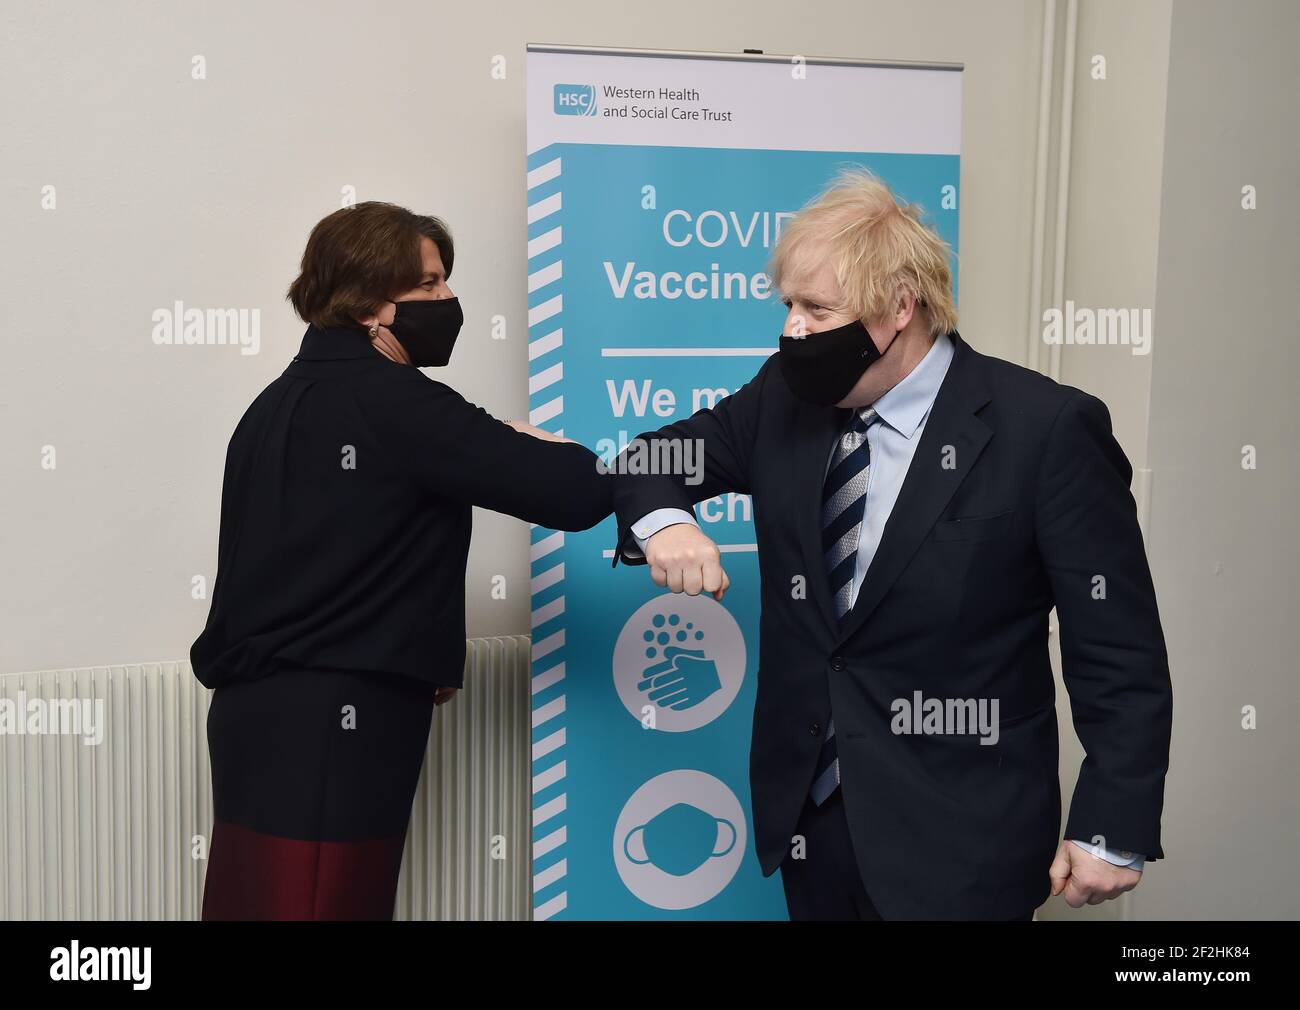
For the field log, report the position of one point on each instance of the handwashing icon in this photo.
(682, 677)
(678, 663)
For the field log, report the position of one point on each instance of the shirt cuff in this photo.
(650, 524)
(1133, 860)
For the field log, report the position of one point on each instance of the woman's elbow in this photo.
(581, 501)
(573, 493)
(585, 505)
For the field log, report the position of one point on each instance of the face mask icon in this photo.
(680, 838)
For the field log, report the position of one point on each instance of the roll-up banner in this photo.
(658, 184)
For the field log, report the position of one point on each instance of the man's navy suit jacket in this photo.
(1016, 501)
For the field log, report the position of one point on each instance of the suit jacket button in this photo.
(815, 729)
(837, 662)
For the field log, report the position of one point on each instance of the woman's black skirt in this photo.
(313, 776)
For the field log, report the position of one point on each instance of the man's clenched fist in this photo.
(1088, 879)
(686, 561)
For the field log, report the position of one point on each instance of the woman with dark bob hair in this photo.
(338, 613)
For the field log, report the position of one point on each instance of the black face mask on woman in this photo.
(427, 330)
(824, 367)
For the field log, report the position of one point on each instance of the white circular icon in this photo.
(679, 839)
(679, 660)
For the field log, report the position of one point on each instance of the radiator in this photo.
(119, 829)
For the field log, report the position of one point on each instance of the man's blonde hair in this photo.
(878, 246)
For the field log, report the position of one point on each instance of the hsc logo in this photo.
(575, 100)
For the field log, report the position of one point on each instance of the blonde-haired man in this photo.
(920, 508)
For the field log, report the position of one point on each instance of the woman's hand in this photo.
(444, 695)
(528, 429)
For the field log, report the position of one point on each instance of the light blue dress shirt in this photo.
(903, 412)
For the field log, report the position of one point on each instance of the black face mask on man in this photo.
(824, 367)
(427, 330)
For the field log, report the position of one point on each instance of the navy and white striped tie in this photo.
(844, 502)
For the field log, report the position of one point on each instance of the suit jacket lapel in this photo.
(929, 485)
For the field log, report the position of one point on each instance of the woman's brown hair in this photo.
(358, 257)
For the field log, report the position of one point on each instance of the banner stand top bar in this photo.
(691, 54)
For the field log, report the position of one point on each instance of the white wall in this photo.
(170, 188)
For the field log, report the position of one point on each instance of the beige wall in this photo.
(1198, 103)
(1114, 221)
(1116, 130)
(1224, 540)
